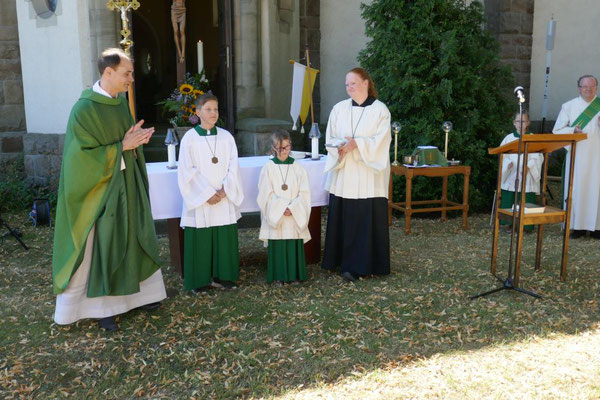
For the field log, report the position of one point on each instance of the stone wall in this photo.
(12, 112)
(310, 35)
(43, 155)
(511, 21)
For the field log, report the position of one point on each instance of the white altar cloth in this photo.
(166, 200)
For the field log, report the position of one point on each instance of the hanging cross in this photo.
(124, 6)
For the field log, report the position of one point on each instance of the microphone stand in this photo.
(508, 283)
(13, 232)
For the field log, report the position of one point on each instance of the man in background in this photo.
(580, 115)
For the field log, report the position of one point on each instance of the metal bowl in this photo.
(453, 163)
(297, 154)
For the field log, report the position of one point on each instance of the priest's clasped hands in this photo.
(347, 148)
(136, 136)
(217, 197)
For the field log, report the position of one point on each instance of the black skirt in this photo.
(357, 238)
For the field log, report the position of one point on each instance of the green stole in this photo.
(203, 132)
(515, 134)
(288, 160)
(94, 191)
(586, 116)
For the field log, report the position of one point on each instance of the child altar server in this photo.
(284, 201)
(210, 185)
(509, 170)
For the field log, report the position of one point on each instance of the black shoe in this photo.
(577, 233)
(108, 324)
(228, 285)
(201, 290)
(150, 306)
(348, 276)
(595, 234)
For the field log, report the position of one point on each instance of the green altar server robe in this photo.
(94, 189)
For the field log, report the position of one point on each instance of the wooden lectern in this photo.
(539, 143)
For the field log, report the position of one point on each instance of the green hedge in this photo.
(432, 61)
(16, 194)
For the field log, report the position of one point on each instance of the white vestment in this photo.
(199, 179)
(585, 213)
(509, 172)
(273, 201)
(364, 172)
(73, 304)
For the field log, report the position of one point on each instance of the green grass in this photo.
(413, 334)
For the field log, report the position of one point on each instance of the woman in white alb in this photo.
(358, 168)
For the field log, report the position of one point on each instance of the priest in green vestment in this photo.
(105, 257)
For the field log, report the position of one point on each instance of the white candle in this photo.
(314, 142)
(171, 156)
(200, 50)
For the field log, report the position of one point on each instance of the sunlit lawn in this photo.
(413, 334)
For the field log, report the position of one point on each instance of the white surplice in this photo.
(73, 304)
(585, 211)
(509, 172)
(364, 172)
(273, 201)
(199, 179)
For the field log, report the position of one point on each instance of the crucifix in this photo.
(178, 22)
(124, 7)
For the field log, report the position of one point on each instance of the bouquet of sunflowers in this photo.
(181, 102)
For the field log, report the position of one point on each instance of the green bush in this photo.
(16, 194)
(432, 61)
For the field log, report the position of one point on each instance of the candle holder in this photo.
(446, 127)
(396, 127)
(171, 141)
(314, 136)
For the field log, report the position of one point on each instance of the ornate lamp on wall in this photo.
(44, 8)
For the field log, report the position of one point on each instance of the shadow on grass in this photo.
(264, 341)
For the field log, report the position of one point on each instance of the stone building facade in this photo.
(265, 34)
(12, 112)
(511, 22)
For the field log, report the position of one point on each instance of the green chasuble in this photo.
(94, 190)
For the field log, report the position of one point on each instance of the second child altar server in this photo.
(509, 170)
(284, 201)
(209, 182)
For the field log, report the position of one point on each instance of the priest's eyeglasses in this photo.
(588, 87)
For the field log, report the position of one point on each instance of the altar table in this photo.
(166, 200)
(444, 204)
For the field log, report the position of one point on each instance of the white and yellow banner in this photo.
(303, 82)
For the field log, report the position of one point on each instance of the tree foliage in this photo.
(432, 61)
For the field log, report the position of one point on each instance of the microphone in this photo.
(519, 93)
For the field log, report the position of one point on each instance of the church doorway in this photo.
(156, 55)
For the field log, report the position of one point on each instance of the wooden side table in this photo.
(444, 204)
